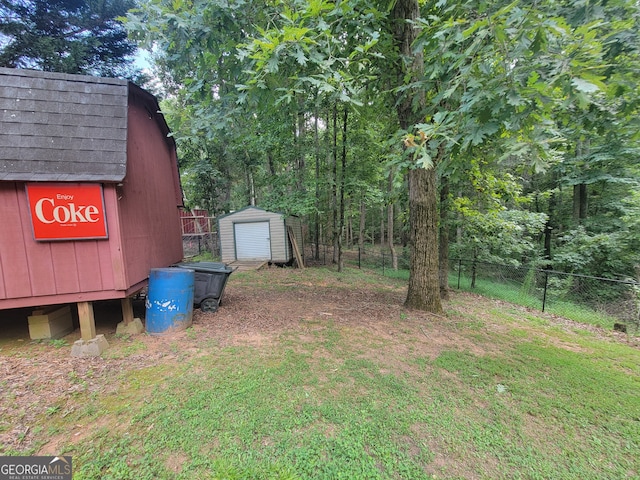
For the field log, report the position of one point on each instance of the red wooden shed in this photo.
(89, 191)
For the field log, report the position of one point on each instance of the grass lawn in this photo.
(318, 375)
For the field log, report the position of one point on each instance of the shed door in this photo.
(252, 241)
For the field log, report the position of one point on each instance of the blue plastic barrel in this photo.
(169, 304)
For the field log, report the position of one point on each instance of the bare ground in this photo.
(38, 378)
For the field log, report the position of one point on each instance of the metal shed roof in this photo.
(60, 127)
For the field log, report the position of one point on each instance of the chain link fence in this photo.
(566, 294)
(199, 244)
(592, 299)
(371, 257)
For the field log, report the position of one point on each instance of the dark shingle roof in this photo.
(59, 127)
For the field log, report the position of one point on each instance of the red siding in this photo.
(13, 253)
(40, 273)
(149, 199)
(143, 223)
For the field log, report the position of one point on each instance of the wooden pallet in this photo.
(246, 265)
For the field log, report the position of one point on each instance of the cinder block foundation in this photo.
(91, 348)
(51, 322)
(134, 327)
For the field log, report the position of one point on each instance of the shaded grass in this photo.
(514, 293)
(510, 292)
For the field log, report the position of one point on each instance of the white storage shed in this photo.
(256, 234)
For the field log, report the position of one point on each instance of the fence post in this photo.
(459, 271)
(544, 295)
(473, 273)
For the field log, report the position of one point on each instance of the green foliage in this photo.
(283, 196)
(317, 47)
(590, 254)
(495, 76)
(68, 36)
(522, 102)
(58, 342)
(498, 236)
(490, 220)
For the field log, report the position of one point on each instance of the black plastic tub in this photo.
(210, 280)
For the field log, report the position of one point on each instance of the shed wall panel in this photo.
(112, 258)
(89, 280)
(149, 199)
(13, 252)
(39, 261)
(279, 241)
(280, 252)
(65, 267)
(226, 236)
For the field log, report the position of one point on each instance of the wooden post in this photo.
(127, 310)
(294, 245)
(87, 321)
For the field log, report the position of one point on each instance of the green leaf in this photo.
(425, 160)
(584, 86)
(474, 28)
(300, 57)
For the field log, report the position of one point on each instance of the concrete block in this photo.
(52, 322)
(92, 348)
(130, 328)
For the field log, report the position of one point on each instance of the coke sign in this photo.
(67, 211)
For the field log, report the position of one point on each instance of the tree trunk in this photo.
(270, 164)
(443, 259)
(343, 175)
(316, 145)
(459, 230)
(423, 291)
(334, 189)
(392, 248)
(251, 189)
(580, 190)
(361, 230)
(548, 227)
(390, 221)
(301, 146)
(580, 202)
(474, 269)
(382, 242)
